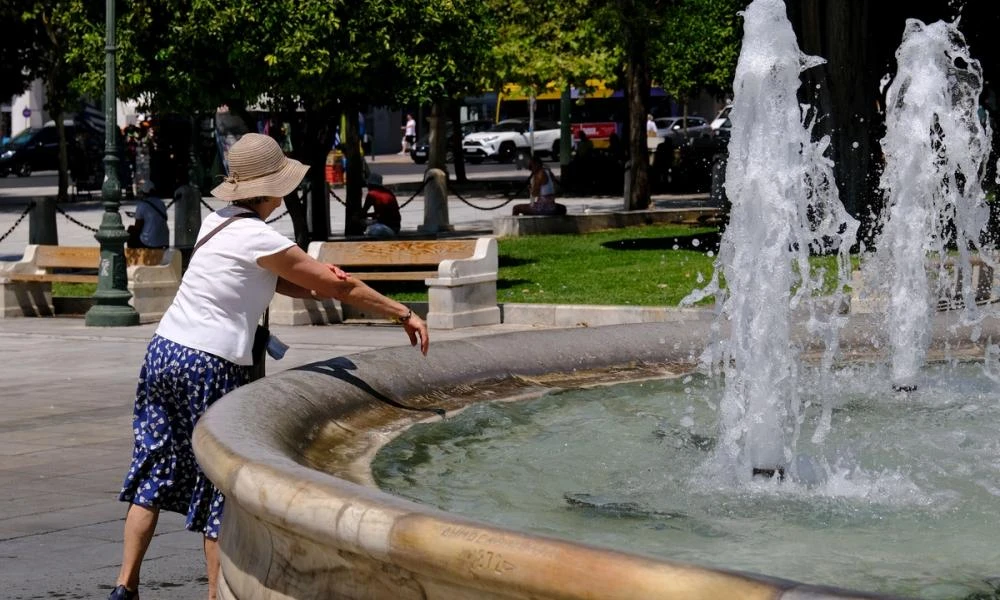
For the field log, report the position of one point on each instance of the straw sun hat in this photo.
(258, 167)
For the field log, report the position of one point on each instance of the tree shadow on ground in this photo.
(700, 242)
(510, 261)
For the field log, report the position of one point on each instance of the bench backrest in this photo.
(402, 253)
(88, 257)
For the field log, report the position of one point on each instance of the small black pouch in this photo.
(260, 339)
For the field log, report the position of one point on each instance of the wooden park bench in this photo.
(460, 275)
(26, 285)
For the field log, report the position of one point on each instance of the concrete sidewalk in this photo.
(66, 394)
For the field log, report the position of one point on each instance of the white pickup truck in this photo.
(510, 137)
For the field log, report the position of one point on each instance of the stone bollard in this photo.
(435, 202)
(187, 219)
(42, 222)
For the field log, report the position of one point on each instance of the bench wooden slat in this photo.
(394, 276)
(394, 253)
(88, 257)
(61, 277)
(68, 257)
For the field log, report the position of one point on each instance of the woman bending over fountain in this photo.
(202, 348)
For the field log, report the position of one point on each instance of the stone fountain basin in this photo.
(304, 519)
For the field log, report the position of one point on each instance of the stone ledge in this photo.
(510, 226)
(585, 315)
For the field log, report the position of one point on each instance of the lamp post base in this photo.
(112, 315)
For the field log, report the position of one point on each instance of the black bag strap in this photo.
(155, 208)
(202, 241)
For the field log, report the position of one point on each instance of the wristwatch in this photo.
(404, 318)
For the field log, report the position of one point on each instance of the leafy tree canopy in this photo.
(695, 46)
(552, 42)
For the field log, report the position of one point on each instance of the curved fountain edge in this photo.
(294, 532)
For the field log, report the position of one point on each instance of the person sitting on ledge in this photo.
(543, 192)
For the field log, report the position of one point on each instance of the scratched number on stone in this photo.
(488, 560)
(105, 267)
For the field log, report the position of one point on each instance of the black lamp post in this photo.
(111, 307)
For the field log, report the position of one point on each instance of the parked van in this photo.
(34, 149)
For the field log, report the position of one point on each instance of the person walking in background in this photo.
(202, 348)
(650, 126)
(150, 229)
(409, 134)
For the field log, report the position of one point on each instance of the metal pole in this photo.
(111, 307)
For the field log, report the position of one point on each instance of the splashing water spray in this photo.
(936, 149)
(784, 207)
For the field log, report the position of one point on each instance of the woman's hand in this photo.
(339, 273)
(416, 329)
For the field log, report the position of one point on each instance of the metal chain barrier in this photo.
(334, 195)
(501, 205)
(269, 221)
(513, 197)
(27, 209)
(73, 220)
(419, 189)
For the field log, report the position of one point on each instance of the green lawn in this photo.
(652, 266)
(655, 265)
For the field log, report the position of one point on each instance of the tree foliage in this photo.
(557, 42)
(695, 46)
(19, 58)
(52, 38)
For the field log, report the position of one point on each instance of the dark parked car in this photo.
(34, 149)
(421, 150)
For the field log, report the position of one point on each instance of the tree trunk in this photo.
(858, 40)
(437, 138)
(637, 93)
(297, 212)
(56, 109)
(354, 219)
(455, 115)
(845, 94)
(63, 193)
(318, 139)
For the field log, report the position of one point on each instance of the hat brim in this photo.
(280, 183)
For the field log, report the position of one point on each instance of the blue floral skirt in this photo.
(177, 384)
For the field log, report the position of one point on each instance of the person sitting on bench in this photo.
(384, 218)
(150, 228)
(543, 192)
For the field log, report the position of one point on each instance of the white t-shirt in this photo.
(151, 211)
(651, 127)
(411, 127)
(224, 291)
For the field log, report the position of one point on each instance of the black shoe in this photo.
(121, 593)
